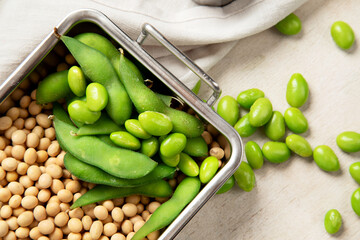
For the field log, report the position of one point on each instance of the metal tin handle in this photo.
(148, 29)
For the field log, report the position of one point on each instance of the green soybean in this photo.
(297, 90)
(185, 192)
(276, 152)
(247, 98)
(295, 120)
(196, 147)
(173, 144)
(342, 34)
(355, 201)
(228, 109)
(227, 185)
(290, 25)
(188, 165)
(77, 81)
(54, 87)
(119, 162)
(325, 158)
(299, 145)
(89, 173)
(150, 146)
(79, 112)
(159, 188)
(125, 140)
(260, 112)
(102, 126)
(172, 161)
(275, 128)
(332, 221)
(155, 123)
(244, 128)
(245, 177)
(354, 171)
(349, 141)
(208, 169)
(96, 97)
(254, 155)
(134, 127)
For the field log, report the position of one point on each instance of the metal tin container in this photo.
(135, 48)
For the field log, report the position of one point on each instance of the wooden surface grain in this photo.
(290, 199)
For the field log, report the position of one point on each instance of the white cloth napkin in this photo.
(206, 34)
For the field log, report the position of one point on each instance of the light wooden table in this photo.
(290, 199)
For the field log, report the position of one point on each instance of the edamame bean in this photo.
(325, 158)
(196, 147)
(53, 87)
(275, 128)
(297, 90)
(96, 97)
(227, 185)
(134, 127)
(295, 120)
(208, 169)
(290, 25)
(254, 155)
(354, 170)
(355, 201)
(349, 141)
(79, 111)
(77, 81)
(125, 140)
(245, 177)
(228, 109)
(188, 166)
(247, 98)
(102, 126)
(244, 128)
(150, 146)
(332, 221)
(342, 34)
(172, 161)
(260, 112)
(155, 123)
(299, 145)
(276, 152)
(173, 144)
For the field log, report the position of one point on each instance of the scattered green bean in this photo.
(247, 98)
(275, 128)
(295, 120)
(332, 221)
(260, 112)
(245, 177)
(227, 185)
(355, 201)
(325, 158)
(244, 128)
(276, 152)
(254, 155)
(342, 34)
(297, 90)
(299, 145)
(290, 25)
(349, 141)
(228, 109)
(188, 166)
(354, 171)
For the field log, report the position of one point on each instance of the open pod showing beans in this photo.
(97, 153)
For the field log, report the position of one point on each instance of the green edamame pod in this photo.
(349, 141)
(244, 128)
(354, 171)
(325, 158)
(276, 152)
(173, 144)
(295, 120)
(134, 127)
(275, 128)
(155, 123)
(297, 90)
(89, 173)
(227, 185)
(185, 192)
(254, 155)
(228, 109)
(342, 34)
(96, 97)
(99, 193)
(208, 169)
(172, 161)
(299, 145)
(54, 87)
(150, 146)
(115, 161)
(125, 140)
(77, 81)
(102, 126)
(247, 98)
(332, 221)
(355, 201)
(245, 177)
(196, 147)
(119, 106)
(260, 112)
(79, 112)
(290, 25)
(188, 165)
